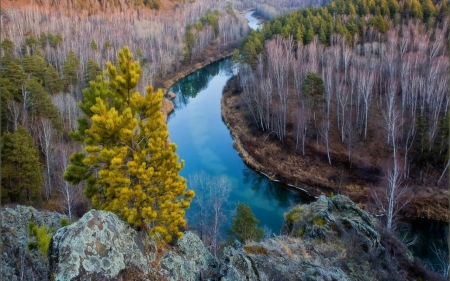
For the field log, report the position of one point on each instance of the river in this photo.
(205, 144)
(252, 21)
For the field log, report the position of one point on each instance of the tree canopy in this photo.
(244, 225)
(128, 163)
(21, 170)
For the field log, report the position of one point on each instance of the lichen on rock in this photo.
(18, 262)
(329, 219)
(100, 245)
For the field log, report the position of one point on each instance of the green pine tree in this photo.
(70, 69)
(52, 82)
(91, 71)
(21, 170)
(245, 226)
(128, 163)
(313, 89)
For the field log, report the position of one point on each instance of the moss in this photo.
(33, 245)
(319, 221)
(301, 231)
(64, 222)
(294, 215)
(260, 250)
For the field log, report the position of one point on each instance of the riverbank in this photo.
(210, 55)
(313, 171)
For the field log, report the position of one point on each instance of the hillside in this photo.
(52, 49)
(350, 97)
(339, 242)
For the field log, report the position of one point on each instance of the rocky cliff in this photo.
(330, 239)
(18, 262)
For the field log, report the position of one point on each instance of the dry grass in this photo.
(312, 172)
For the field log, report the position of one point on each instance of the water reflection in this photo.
(190, 86)
(272, 190)
(204, 143)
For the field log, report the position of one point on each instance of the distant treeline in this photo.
(351, 74)
(353, 19)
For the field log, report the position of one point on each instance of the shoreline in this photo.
(296, 171)
(186, 70)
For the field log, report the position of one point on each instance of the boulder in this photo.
(18, 262)
(280, 258)
(188, 260)
(101, 246)
(330, 219)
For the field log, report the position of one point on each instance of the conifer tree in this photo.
(313, 88)
(91, 71)
(128, 162)
(21, 170)
(70, 68)
(53, 83)
(244, 225)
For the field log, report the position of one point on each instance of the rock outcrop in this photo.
(330, 239)
(18, 262)
(328, 219)
(100, 246)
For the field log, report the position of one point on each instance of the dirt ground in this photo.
(356, 178)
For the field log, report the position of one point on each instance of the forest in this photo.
(365, 80)
(358, 82)
(50, 50)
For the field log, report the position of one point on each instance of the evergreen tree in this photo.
(91, 71)
(189, 43)
(35, 66)
(428, 10)
(8, 47)
(309, 35)
(70, 69)
(55, 40)
(94, 45)
(21, 170)
(313, 88)
(128, 162)
(245, 226)
(52, 82)
(41, 105)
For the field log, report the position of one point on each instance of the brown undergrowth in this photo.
(355, 179)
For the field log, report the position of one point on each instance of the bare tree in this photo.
(13, 113)
(442, 264)
(392, 197)
(47, 137)
(302, 116)
(211, 197)
(70, 194)
(324, 130)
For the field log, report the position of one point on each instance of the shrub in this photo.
(244, 225)
(43, 236)
(64, 222)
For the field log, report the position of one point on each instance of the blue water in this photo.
(252, 22)
(205, 144)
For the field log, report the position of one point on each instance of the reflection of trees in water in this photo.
(190, 86)
(271, 190)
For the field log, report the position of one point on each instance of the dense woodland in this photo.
(352, 77)
(51, 50)
(365, 79)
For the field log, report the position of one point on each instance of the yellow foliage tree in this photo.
(129, 165)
